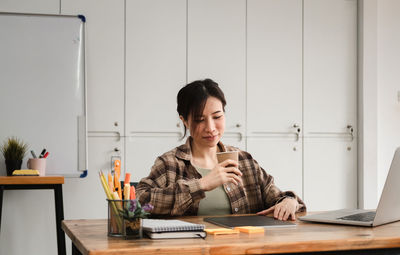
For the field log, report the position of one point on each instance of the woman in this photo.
(188, 180)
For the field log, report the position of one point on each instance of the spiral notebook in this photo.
(160, 229)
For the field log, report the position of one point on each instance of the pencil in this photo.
(110, 197)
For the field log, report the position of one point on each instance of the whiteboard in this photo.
(42, 88)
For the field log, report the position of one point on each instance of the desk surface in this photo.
(21, 180)
(90, 237)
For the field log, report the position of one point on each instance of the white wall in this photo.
(379, 103)
(388, 59)
(367, 104)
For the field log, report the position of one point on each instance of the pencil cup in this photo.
(37, 164)
(222, 156)
(120, 220)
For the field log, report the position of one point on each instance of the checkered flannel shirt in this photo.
(173, 187)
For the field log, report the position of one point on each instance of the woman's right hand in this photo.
(226, 171)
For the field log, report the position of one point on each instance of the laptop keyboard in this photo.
(367, 216)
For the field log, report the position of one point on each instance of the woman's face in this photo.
(207, 130)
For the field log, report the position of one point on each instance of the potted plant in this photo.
(13, 151)
(133, 213)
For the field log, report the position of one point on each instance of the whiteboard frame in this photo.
(82, 139)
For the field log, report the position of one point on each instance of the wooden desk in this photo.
(90, 237)
(39, 182)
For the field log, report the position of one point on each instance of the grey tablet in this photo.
(250, 220)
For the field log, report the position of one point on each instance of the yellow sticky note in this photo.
(250, 229)
(221, 231)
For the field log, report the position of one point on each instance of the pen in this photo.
(42, 153)
(33, 154)
(45, 155)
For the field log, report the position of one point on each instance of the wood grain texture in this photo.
(21, 180)
(90, 237)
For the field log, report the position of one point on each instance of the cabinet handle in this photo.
(238, 133)
(104, 133)
(238, 125)
(297, 131)
(116, 149)
(349, 132)
(350, 129)
(155, 133)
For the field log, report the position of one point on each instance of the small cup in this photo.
(37, 164)
(222, 156)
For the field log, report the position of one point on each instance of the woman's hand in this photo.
(226, 171)
(283, 210)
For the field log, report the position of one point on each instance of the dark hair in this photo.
(192, 98)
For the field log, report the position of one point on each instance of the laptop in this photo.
(388, 209)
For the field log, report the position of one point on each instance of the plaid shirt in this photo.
(173, 187)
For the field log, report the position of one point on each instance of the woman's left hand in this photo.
(282, 211)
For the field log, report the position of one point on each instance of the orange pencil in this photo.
(127, 178)
(133, 193)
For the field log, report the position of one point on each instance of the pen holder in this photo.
(37, 164)
(123, 220)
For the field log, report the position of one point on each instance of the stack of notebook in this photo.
(160, 229)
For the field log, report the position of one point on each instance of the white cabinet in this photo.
(280, 157)
(274, 66)
(330, 173)
(155, 71)
(301, 97)
(217, 50)
(31, 6)
(330, 104)
(87, 194)
(142, 151)
(155, 64)
(105, 62)
(274, 89)
(330, 66)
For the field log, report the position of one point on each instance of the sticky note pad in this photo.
(26, 172)
(250, 230)
(221, 231)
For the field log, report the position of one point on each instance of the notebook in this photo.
(160, 229)
(248, 220)
(388, 209)
(177, 234)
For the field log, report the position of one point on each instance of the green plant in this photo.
(14, 149)
(133, 210)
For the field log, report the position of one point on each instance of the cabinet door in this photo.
(31, 6)
(330, 173)
(142, 151)
(274, 89)
(330, 66)
(282, 158)
(155, 64)
(235, 139)
(85, 198)
(104, 61)
(274, 66)
(217, 50)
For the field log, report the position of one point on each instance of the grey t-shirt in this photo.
(216, 201)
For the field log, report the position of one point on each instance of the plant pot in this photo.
(12, 165)
(133, 229)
